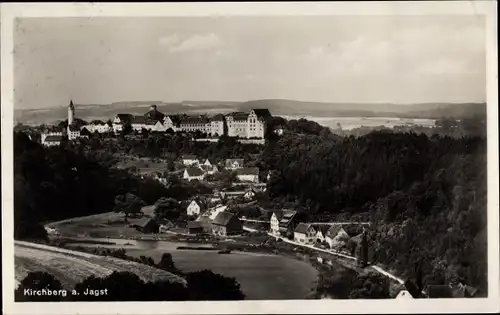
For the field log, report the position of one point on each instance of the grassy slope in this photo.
(71, 267)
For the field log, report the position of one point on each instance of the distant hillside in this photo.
(276, 106)
(426, 110)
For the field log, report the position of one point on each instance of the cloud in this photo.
(197, 42)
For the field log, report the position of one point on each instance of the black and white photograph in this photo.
(165, 154)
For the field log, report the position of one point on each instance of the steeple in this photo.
(71, 113)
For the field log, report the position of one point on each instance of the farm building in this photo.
(196, 206)
(195, 227)
(192, 173)
(206, 223)
(189, 160)
(146, 225)
(226, 223)
(233, 164)
(248, 174)
(304, 234)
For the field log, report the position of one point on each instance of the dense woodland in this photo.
(425, 193)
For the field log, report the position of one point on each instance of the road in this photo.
(332, 252)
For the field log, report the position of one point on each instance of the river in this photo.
(261, 276)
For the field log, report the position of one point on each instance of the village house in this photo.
(192, 173)
(248, 174)
(336, 236)
(218, 125)
(404, 294)
(52, 140)
(209, 169)
(189, 160)
(289, 222)
(226, 195)
(195, 227)
(196, 206)
(212, 214)
(304, 233)
(120, 120)
(226, 223)
(73, 132)
(275, 222)
(146, 225)
(232, 164)
(321, 231)
(208, 163)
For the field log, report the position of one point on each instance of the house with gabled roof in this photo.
(336, 235)
(233, 164)
(146, 225)
(321, 230)
(196, 206)
(248, 174)
(189, 160)
(52, 140)
(226, 223)
(192, 173)
(275, 222)
(289, 220)
(304, 233)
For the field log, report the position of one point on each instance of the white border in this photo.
(11, 10)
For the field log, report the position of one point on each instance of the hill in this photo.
(72, 267)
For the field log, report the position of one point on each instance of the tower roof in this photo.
(71, 105)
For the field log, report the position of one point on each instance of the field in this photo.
(108, 224)
(71, 267)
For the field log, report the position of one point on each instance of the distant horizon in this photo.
(76, 103)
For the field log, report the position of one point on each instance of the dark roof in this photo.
(262, 112)
(287, 217)
(142, 222)
(223, 218)
(218, 117)
(333, 230)
(239, 116)
(412, 289)
(138, 120)
(154, 115)
(229, 162)
(439, 291)
(302, 228)
(323, 228)
(53, 138)
(279, 214)
(248, 171)
(124, 117)
(71, 105)
(194, 171)
(194, 224)
(194, 120)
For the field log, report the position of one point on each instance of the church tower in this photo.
(71, 113)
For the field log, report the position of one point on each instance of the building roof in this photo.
(287, 217)
(201, 202)
(189, 157)
(262, 112)
(53, 138)
(302, 228)
(155, 115)
(138, 120)
(194, 172)
(190, 120)
(73, 128)
(223, 218)
(230, 162)
(124, 117)
(333, 230)
(239, 116)
(71, 105)
(218, 117)
(194, 224)
(323, 228)
(176, 119)
(403, 294)
(278, 214)
(247, 171)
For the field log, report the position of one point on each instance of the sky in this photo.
(102, 60)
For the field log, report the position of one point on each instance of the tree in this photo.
(205, 285)
(128, 204)
(127, 128)
(167, 263)
(37, 281)
(168, 208)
